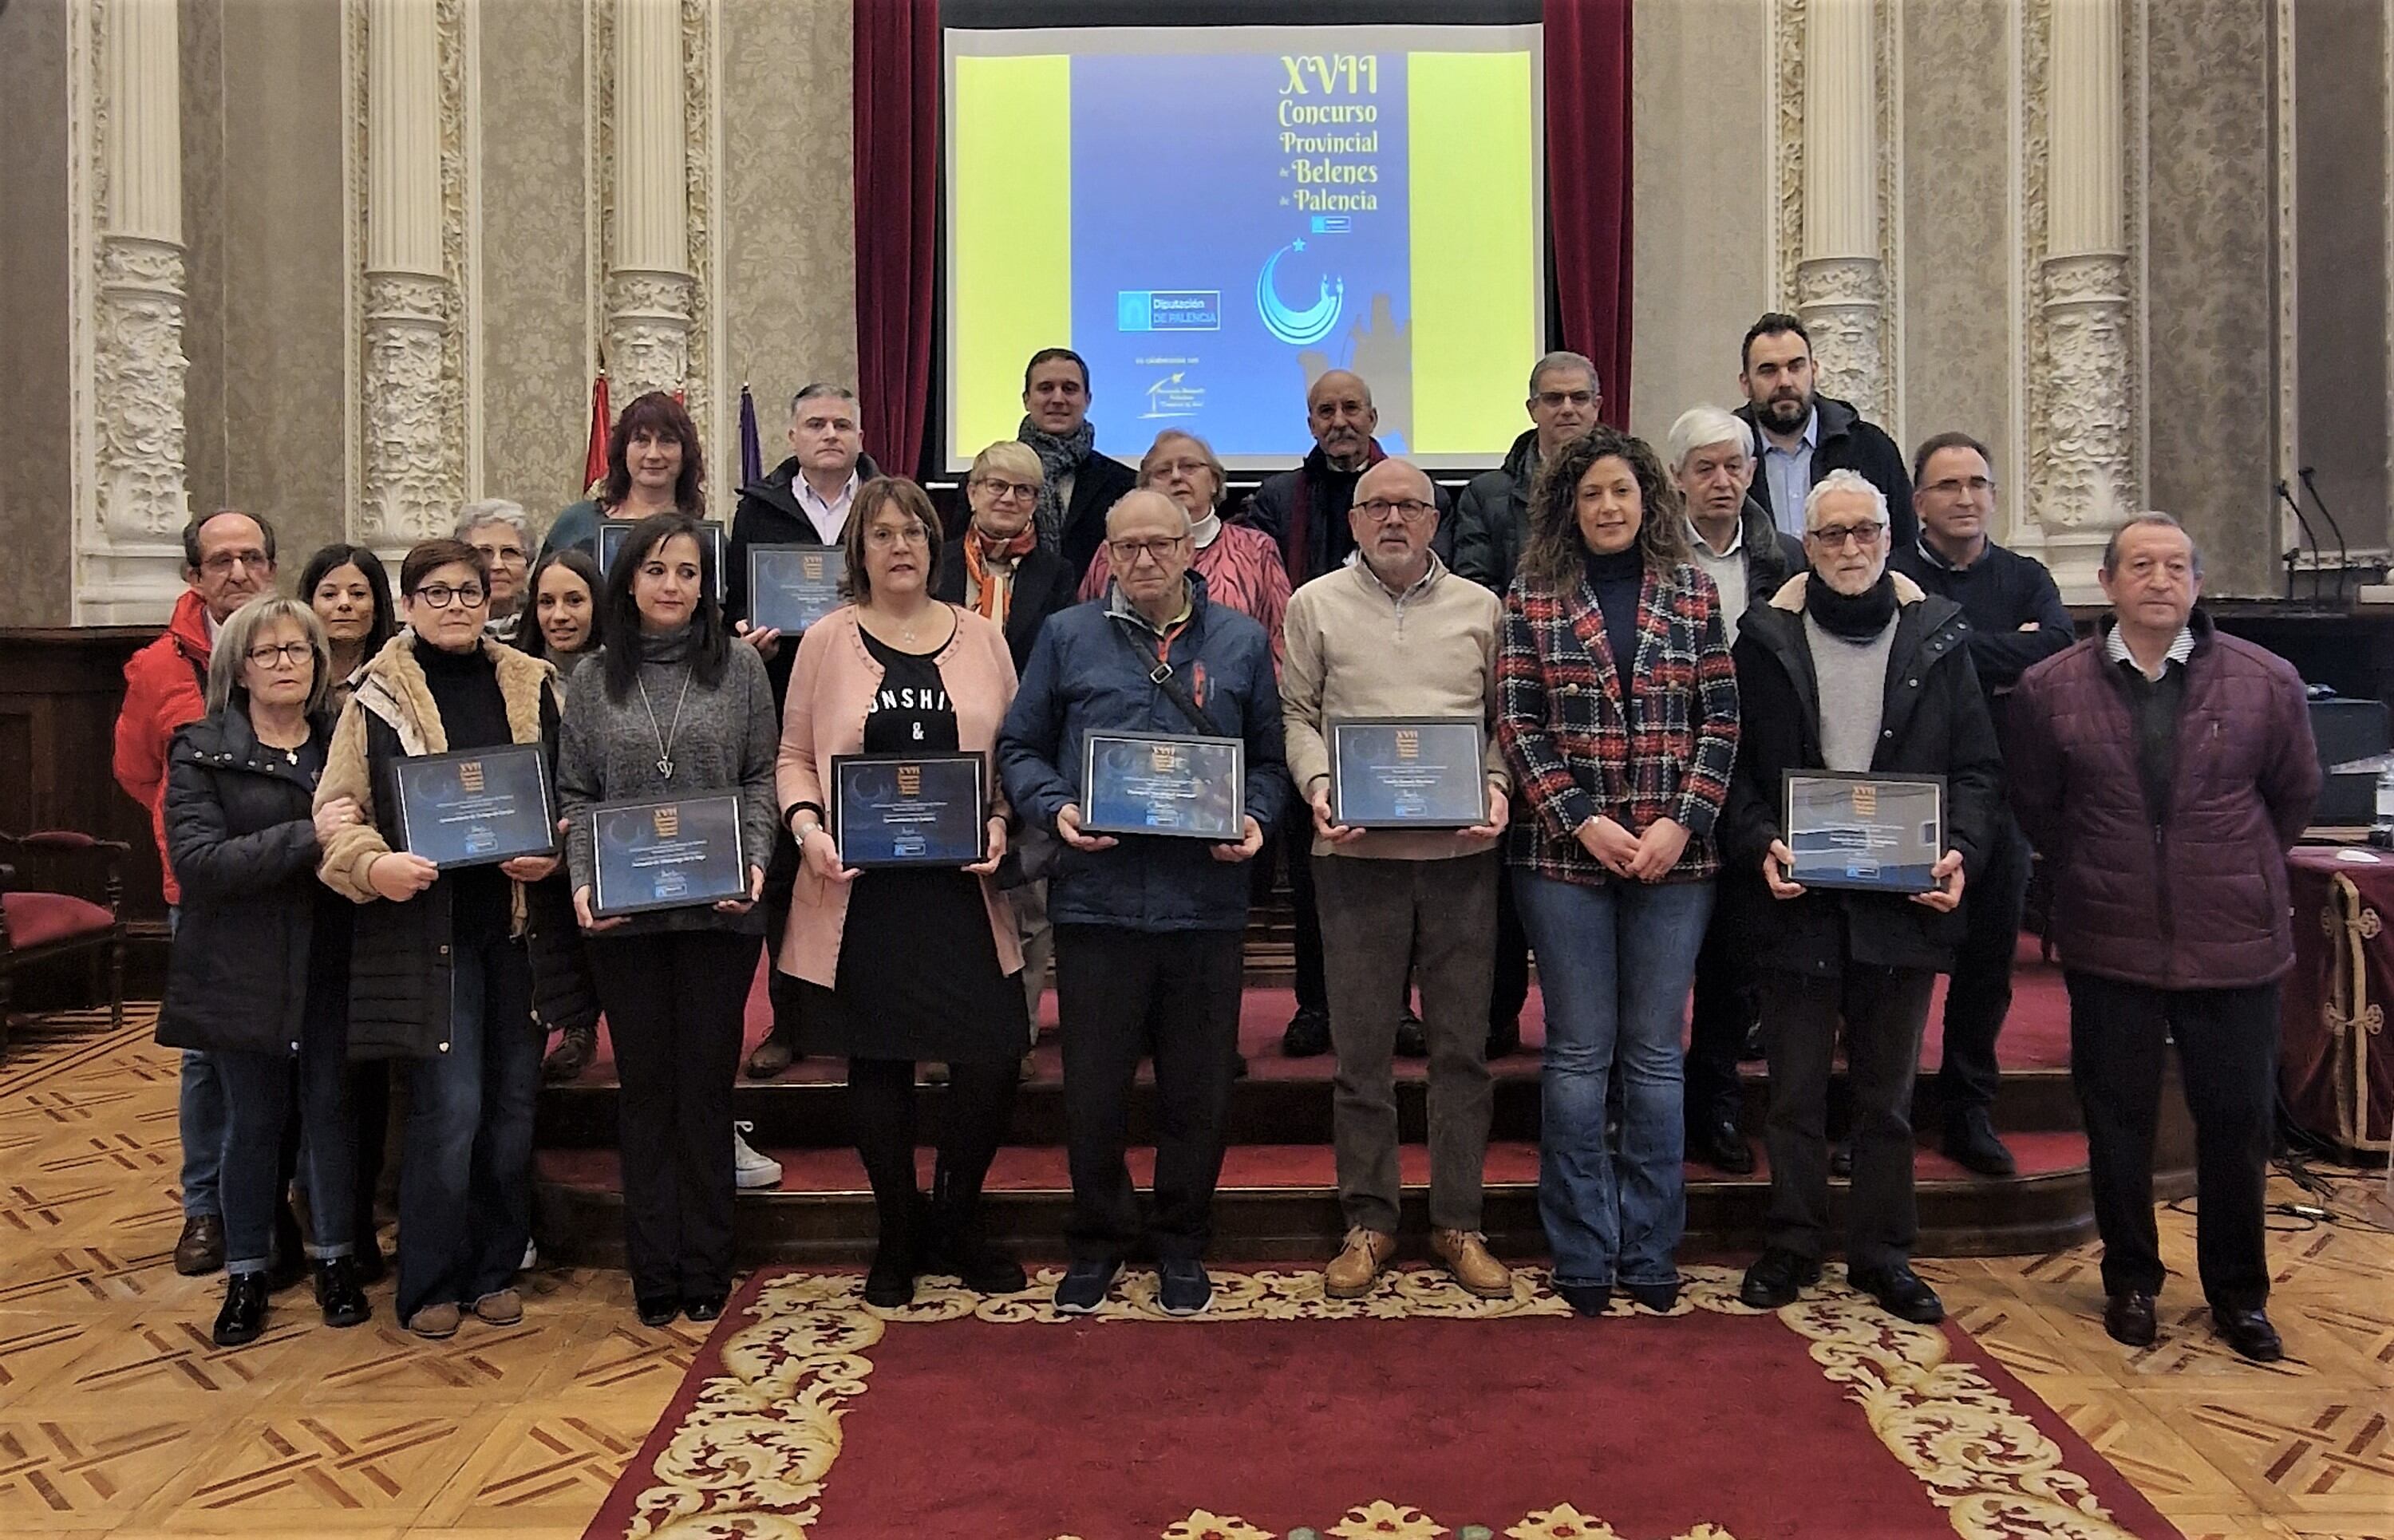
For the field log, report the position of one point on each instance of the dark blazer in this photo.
(1934, 722)
(2192, 895)
(1847, 443)
(768, 515)
(1099, 483)
(254, 924)
(1042, 584)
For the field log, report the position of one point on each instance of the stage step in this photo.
(1279, 1201)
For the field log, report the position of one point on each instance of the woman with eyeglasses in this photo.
(905, 965)
(674, 708)
(258, 972)
(1241, 565)
(655, 465)
(1617, 712)
(438, 975)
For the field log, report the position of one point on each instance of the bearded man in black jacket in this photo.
(1806, 434)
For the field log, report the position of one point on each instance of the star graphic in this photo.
(1298, 245)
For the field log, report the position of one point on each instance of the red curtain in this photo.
(897, 70)
(1587, 184)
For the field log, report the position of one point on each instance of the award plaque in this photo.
(667, 855)
(478, 807)
(790, 587)
(921, 810)
(1158, 784)
(610, 544)
(1408, 773)
(1877, 833)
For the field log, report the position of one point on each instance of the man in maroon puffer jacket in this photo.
(2163, 769)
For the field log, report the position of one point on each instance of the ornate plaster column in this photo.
(411, 473)
(1840, 279)
(2083, 462)
(650, 291)
(130, 501)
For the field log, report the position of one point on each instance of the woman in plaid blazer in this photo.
(1617, 711)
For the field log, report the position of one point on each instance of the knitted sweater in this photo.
(1355, 650)
(608, 752)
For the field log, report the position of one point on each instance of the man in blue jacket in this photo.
(1148, 926)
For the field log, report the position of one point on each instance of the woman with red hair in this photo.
(655, 465)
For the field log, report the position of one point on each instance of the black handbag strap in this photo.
(1159, 674)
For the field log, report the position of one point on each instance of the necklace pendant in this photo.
(665, 768)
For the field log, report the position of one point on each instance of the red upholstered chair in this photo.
(62, 893)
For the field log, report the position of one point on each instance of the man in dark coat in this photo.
(1079, 484)
(2016, 619)
(1305, 510)
(1806, 434)
(803, 501)
(2163, 769)
(1851, 668)
(1730, 537)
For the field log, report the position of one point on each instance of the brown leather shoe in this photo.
(1350, 1273)
(200, 1250)
(436, 1321)
(772, 1056)
(503, 1309)
(1465, 1252)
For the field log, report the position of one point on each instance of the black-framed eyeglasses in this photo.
(1954, 486)
(440, 595)
(1835, 536)
(1412, 510)
(1125, 552)
(1001, 490)
(292, 652)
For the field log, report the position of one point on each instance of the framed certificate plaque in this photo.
(1408, 773)
(921, 810)
(1160, 784)
(1874, 834)
(475, 808)
(612, 532)
(667, 855)
(790, 587)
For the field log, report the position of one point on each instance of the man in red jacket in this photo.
(228, 561)
(2163, 769)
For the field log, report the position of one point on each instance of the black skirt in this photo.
(918, 977)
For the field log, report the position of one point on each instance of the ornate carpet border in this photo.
(749, 1441)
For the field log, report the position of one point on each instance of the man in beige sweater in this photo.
(1394, 634)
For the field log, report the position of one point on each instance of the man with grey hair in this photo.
(1849, 668)
(1711, 455)
(803, 501)
(498, 529)
(1491, 524)
(2163, 769)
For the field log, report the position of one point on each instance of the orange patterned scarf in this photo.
(992, 593)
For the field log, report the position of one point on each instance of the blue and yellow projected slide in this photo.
(1213, 217)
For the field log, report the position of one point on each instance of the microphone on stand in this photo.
(2343, 557)
(2296, 550)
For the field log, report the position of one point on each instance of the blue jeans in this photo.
(464, 1183)
(200, 1119)
(1615, 963)
(258, 1095)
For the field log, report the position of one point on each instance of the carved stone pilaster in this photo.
(2085, 468)
(648, 316)
(1843, 301)
(138, 380)
(413, 467)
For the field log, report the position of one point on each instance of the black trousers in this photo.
(1980, 994)
(2227, 1062)
(882, 1100)
(370, 1116)
(1884, 1011)
(1728, 1003)
(1122, 995)
(674, 1001)
(781, 989)
(1510, 989)
(1312, 986)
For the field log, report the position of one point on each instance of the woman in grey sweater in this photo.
(673, 708)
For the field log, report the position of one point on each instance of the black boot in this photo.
(243, 1320)
(339, 1293)
(980, 1264)
(890, 1282)
(575, 1048)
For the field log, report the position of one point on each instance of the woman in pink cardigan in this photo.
(902, 965)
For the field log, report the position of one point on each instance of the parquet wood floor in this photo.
(118, 1417)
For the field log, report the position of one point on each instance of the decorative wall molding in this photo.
(2288, 448)
(125, 299)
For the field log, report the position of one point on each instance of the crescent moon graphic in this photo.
(1298, 328)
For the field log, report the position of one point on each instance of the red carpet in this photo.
(1414, 1413)
(2035, 1036)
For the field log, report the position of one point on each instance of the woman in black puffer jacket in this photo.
(259, 969)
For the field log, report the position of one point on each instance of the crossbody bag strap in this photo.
(1159, 673)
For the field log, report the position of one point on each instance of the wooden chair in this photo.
(62, 893)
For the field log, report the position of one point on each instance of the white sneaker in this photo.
(531, 1256)
(750, 1170)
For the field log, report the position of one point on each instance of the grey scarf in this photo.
(1058, 459)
